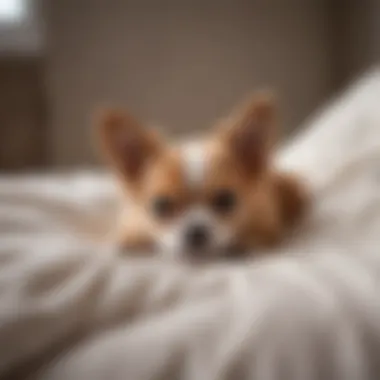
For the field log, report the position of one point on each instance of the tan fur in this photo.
(133, 235)
(269, 202)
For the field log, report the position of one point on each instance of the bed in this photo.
(71, 307)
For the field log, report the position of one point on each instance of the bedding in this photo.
(71, 307)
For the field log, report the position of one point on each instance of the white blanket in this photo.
(71, 308)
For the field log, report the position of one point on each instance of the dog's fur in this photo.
(235, 158)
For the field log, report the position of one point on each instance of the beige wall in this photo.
(180, 64)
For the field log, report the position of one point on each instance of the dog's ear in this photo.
(127, 145)
(250, 132)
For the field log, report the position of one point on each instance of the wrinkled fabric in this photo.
(72, 308)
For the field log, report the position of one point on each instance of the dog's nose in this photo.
(197, 236)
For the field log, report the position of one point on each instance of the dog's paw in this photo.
(294, 198)
(135, 244)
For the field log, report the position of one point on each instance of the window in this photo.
(12, 11)
(20, 29)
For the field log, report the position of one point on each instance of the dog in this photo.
(203, 197)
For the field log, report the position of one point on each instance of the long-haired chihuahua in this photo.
(207, 196)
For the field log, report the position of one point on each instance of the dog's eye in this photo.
(163, 207)
(223, 201)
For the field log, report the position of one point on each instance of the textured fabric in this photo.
(71, 308)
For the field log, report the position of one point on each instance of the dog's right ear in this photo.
(127, 145)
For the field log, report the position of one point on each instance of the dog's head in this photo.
(198, 196)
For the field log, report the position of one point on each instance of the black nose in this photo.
(197, 236)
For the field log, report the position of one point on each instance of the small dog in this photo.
(207, 196)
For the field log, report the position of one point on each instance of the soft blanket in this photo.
(72, 308)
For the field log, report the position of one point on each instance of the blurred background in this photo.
(178, 64)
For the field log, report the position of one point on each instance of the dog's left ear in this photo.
(250, 133)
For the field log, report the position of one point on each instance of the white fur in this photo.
(194, 160)
(172, 240)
